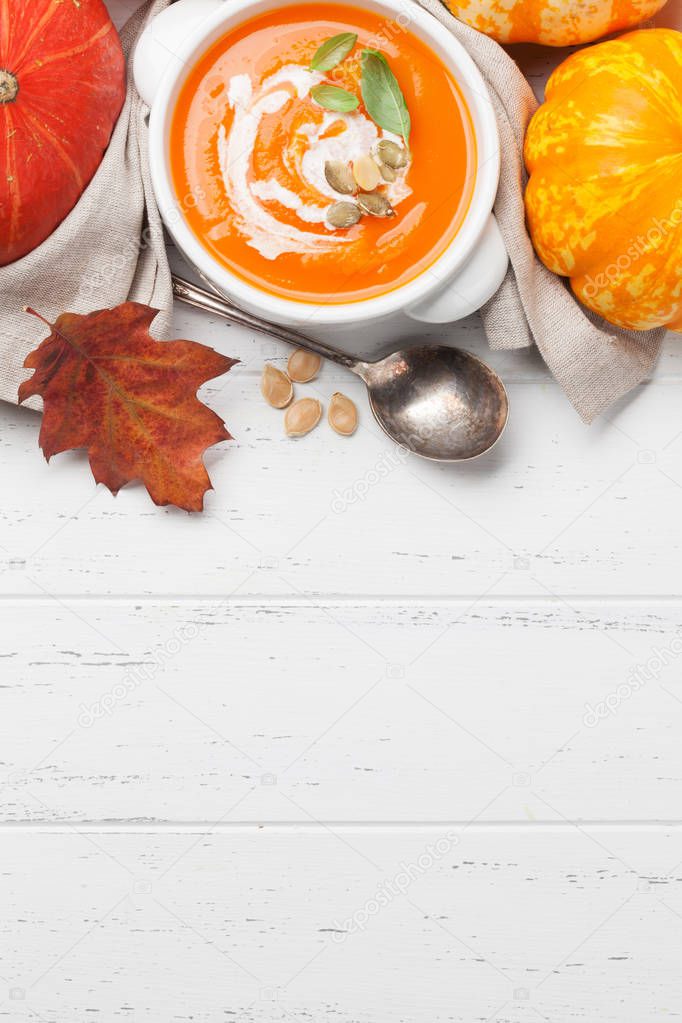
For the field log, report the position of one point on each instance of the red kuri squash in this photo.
(62, 86)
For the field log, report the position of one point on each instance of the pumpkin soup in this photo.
(322, 153)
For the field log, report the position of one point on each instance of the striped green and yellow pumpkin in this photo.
(552, 22)
(604, 199)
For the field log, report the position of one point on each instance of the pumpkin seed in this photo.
(392, 154)
(376, 204)
(303, 366)
(340, 176)
(388, 173)
(342, 415)
(302, 417)
(276, 387)
(343, 214)
(366, 173)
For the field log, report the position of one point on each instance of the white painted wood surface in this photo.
(226, 742)
(343, 711)
(387, 924)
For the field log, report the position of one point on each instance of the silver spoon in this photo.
(441, 403)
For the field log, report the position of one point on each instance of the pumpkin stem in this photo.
(9, 87)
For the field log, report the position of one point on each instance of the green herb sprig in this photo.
(333, 51)
(332, 97)
(383, 96)
(381, 92)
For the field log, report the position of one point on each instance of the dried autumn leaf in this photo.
(130, 401)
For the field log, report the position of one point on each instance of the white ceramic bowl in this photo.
(461, 280)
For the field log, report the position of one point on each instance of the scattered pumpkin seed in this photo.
(376, 204)
(342, 415)
(303, 366)
(302, 417)
(388, 173)
(343, 214)
(366, 173)
(276, 387)
(392, 154)
(340, 176)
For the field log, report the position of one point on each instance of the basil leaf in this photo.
(333, 51)
(375, 53)
(331, 97)
(383, 96)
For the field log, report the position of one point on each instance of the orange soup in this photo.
(260, 160)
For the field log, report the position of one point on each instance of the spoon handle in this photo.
(201, 299)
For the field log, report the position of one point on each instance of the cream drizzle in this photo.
(259, 224)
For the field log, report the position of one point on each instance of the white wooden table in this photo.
(372, 741)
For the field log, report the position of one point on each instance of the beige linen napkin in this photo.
(593, 361)
(108, 249)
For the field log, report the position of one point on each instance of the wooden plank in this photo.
(556, 506)
(340, 711)
(375, 925)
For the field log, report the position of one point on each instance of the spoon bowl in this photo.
(440, 403)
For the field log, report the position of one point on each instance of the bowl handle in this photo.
(162, 39)
(477, 282)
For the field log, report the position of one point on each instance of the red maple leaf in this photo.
(130, 401)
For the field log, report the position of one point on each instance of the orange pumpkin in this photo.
(604, 199)
(552, 22)
(62, 85)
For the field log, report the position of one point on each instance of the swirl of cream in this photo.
(263, 231)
